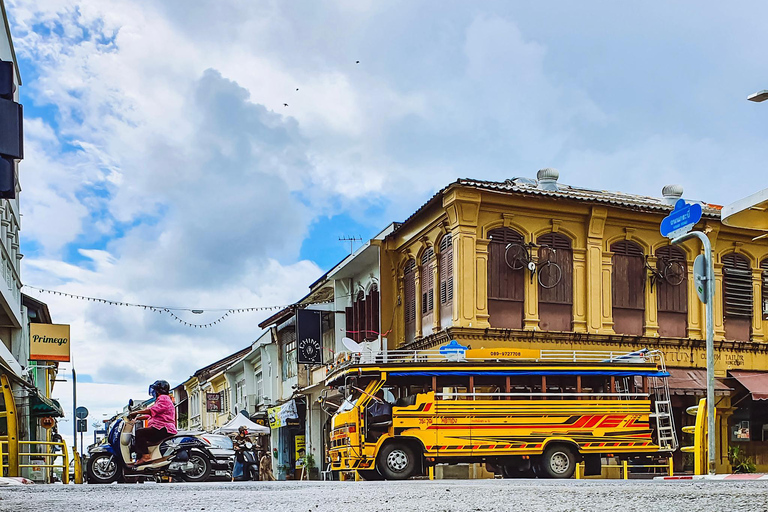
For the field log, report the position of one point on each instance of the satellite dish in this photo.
(351, 345)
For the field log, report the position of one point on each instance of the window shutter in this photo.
(349, 317)
(409, 304)
(669, 298)
(562, 293)
(628, 275)
(373, 313)
(503, 282)
(427, 282)
(737, 286)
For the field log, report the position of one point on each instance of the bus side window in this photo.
(593, 384)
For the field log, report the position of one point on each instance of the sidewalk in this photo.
(739, 476)
(14, 480)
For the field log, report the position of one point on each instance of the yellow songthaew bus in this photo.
(522, 412)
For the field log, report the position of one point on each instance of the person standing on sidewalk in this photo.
(265, 467)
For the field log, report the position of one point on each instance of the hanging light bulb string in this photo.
(170, 310)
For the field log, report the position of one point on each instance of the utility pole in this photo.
(74, 406)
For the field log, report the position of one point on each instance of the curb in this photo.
(15, 480)
(741, 476)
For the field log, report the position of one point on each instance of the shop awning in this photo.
(755, 382)
(692, 381)
(39, 405)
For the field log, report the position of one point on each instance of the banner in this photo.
(213, 402)
(301, 451)
(49, 342)
(309, 336)
(279, 416)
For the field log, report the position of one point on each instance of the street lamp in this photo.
(758, 96)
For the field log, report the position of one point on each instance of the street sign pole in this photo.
(709, 281)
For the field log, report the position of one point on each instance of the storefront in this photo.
(288, 438)
(748, 428)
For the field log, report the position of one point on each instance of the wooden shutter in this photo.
(628, 275)
(349, 316)
(671, 298)
(506, 287)
(360, 316)
(737, 286)
(409, 303)
(563, 256)
(556, 303)
(446, 280)
(628, 279)
(427, 282)
(671, 301)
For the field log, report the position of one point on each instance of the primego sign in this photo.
(49, 342)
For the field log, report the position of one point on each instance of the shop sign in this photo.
(48, 422)
(502, 353)
(213, 402)
(49, 342)
(309, 336)
(301, 450)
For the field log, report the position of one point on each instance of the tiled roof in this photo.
(529, 186)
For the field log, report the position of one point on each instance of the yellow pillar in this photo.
(757, 306)
(531, 297)
(719, 312)
(696, 309)
(606, 290)
(651, 315)
(580, 290)
(481, 297)
(417, 285)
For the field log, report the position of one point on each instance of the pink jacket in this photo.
(163, 414)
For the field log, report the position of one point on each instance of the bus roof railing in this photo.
(345, 359)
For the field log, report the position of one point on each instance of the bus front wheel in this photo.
(397, 461)
(558, 461)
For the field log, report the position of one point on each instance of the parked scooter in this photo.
(180, 455)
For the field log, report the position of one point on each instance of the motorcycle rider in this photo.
(161, 424)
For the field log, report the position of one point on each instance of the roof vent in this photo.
(548, 179)
(672, 193)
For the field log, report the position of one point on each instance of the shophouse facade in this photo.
(447, 268)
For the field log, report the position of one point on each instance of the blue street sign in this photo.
(681, 219)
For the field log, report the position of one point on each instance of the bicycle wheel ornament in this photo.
(550, 275)
(516, 256)
(674, 273)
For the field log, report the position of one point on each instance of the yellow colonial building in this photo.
(534, 263)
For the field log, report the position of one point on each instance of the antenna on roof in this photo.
(351, 240)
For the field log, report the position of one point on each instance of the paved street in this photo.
(445, 495)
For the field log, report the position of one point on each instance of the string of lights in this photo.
(170, 311)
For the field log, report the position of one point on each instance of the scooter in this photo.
(179, 455)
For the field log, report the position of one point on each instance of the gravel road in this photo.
(421, 495)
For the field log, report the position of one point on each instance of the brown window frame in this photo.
(506, 287)
(445, 269)
(409, 300)
(628, 277)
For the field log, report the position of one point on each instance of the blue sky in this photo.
(162, 165)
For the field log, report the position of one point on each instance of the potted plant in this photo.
(311, 467)
(741, 462)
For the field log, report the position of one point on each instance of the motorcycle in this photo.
(180, 455)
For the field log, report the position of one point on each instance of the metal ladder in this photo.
(662, 404)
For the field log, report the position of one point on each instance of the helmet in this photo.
(159, 387)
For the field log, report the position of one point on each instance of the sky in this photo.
(210, 154)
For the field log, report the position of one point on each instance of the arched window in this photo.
(446, 281)
(737, 297)
(506, 287)
(427, 291)
(372, 313)
(556, 302)
(409, 309)
(672, 292)
(628, 282)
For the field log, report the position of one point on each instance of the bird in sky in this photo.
(297, 88)
(285, 104)
(357, 62)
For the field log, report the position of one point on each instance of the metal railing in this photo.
(345, 359)
(625, 467)
(64, 465)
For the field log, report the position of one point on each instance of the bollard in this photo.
(431, 472)
(671, 467)
(626, 470)
(579, 470)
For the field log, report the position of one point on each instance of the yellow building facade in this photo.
(442, 279)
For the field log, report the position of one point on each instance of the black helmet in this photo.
(159, 387)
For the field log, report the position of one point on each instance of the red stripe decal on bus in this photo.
(427, 407)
